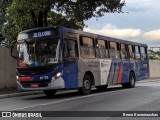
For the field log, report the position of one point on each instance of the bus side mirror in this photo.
(13, 52)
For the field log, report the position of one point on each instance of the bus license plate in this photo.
(34, 85)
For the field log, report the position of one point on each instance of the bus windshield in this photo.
(38, 53)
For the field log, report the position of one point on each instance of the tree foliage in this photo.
(154, 55)
(86, 9)
(25, 14)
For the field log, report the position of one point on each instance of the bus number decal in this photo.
(43, 77)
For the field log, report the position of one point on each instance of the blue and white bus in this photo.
(59, 58)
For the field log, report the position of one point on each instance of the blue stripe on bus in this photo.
(70, 76)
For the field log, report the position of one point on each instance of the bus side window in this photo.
(137, 53)
(114, 50)
(102, 50)
(143, 53)
(124, 54)
(87, 47)
(70, 49)
(131, 52)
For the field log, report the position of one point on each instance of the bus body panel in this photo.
(43, 79)
(89, 65)
(142, 69)
(127, 66)
(70, 75)
(105, 71)
(57, 84)
(114, 72)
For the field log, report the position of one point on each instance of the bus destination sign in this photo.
(41, 34)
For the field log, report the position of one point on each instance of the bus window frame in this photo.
(145, 53)
(131, 55)
(124, 51)
(86, 47)
(137, 53)
(98, 48)
(115, 51)
(77, 48)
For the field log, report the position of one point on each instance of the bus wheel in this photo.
(86, 87)
(50, 93)
(102, 88)
(131, 83)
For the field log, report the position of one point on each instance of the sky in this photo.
(140, 22)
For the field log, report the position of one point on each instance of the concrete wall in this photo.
(7, 69)
(154, 68)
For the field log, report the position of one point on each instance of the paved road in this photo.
(145, 97)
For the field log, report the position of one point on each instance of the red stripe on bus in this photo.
(120, 74)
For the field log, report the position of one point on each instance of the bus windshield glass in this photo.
(38, 53)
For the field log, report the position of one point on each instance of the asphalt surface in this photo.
(144, 97)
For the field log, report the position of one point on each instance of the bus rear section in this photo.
(108, 61)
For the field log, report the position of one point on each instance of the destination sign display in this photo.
(35, 34)
(41, 34)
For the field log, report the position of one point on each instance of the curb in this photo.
(149, 80)
(20, 94)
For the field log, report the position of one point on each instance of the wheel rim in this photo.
(86, 84)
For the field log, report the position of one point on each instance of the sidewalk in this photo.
(13, 92)
(150, 80)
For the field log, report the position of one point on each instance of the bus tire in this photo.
(50, 93)
(132, 81)
(86, 87)
(102, 88)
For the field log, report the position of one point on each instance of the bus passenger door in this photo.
(70, 73)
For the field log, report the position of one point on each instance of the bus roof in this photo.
(64, 29)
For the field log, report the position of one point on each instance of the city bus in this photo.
(59, 58)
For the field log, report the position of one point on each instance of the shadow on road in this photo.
(73, 93)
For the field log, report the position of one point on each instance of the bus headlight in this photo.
(57, 76)
(17, 77)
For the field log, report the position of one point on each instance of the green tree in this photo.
(25, 14)
(4, 4)
(81, 10)
(157, 54)
(154, 55)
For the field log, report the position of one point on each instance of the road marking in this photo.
(66, 100)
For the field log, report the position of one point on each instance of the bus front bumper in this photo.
(54, 84)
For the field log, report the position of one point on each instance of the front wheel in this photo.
(131, 83)
(50, 93)
(86, 87)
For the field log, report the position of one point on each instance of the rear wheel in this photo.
(50, 93)
(131, 83)
(86, 87)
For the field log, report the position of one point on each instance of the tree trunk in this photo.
(45, 18)
(34, 18)
(40, 19)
